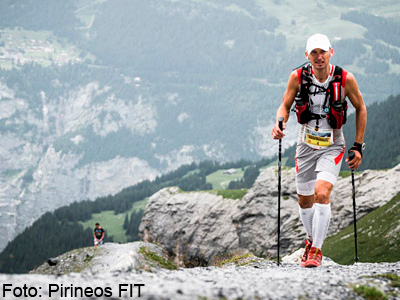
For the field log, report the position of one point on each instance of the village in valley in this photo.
(19, 47)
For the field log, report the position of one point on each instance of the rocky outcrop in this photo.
(192, 226)
(199, 225)
(109, 258)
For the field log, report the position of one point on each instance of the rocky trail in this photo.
(125, 271)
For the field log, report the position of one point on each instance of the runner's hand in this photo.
(276, 132)
(355, 162)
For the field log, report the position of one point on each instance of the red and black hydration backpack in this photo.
(335, 104)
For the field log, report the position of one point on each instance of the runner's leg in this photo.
(327, 169)
(305, 183)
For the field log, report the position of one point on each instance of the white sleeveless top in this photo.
(317, 96)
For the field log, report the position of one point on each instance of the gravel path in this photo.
(260, 280)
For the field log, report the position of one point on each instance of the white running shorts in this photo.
(313, 165)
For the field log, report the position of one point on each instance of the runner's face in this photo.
(319, 58)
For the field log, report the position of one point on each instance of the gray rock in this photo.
(194, 227)
(52, 262)
(109, 258)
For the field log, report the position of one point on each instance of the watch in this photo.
(359, 147)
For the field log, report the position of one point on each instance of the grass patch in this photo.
(378, 238)
(236, 259)
(193, 172)
(110, 222)
(345, 174)
(113, 223)
(275, 164)
(232, 194)
(138, 205)
(80, 266)
(393, 278)
(155, 258)
(369, 292)
(220, 181)
(226, 194)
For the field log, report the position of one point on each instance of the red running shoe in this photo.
(314, 258)
(305, 254)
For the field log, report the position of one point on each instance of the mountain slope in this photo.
(377, 234)
(98, 95)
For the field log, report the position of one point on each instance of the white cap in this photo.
(318, 41)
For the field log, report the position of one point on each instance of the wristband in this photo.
(358, 147)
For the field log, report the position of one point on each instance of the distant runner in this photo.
(319, 90)
(98, 234)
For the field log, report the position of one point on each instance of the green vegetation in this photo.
(86, 261)
(120, 215)
(48, 238)
(236, 259)
(227, 194)
(345, 174)
(382, 150)
(285, 159)
(139, 205)
(369, 292)
(249, 177)
(232, 194)
(220, 179)
(393, 278)
(114, 223)
(377, 234)
(153, 257)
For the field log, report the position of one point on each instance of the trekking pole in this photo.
(351, 155)
(280, 120)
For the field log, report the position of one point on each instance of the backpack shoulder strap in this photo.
(305, 80)
(344, 76)
(337, 84)
(299, 72)
(337, 74)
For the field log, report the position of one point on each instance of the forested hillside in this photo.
(382, 136)
(61, 230)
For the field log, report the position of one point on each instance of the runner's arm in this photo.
(287, 101)
(356, 99)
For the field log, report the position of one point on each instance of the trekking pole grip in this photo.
(280, 121)
(351, 155)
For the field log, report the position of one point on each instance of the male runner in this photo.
(319, 90)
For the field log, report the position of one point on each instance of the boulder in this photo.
(194, 227)
(110, 258)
